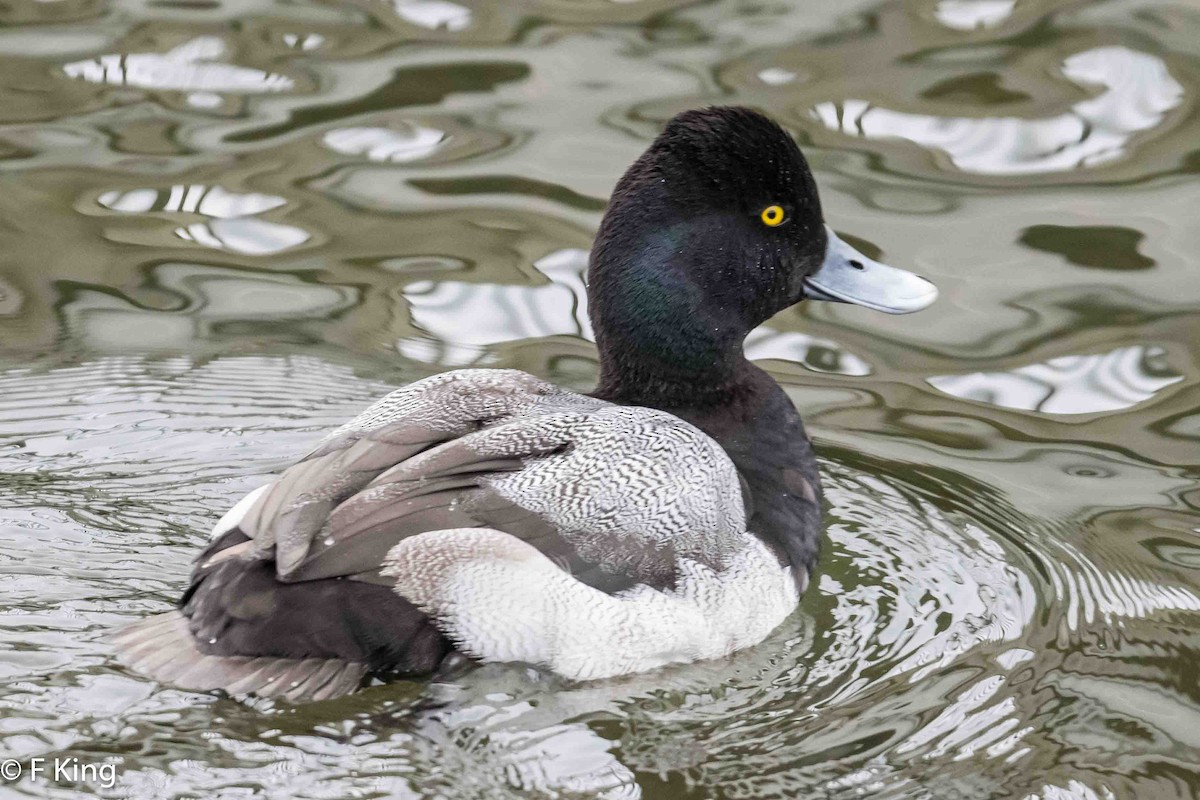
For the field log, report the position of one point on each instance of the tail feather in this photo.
(162, 647)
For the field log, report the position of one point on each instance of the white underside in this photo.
(500, 599)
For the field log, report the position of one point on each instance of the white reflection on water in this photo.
(232, 227)
(971, 720)
(246, 235)
(776, 76)
(498, 312)
(303, 41)
(1074, 790)
(211, 201)
(966, 15)
(191, 67)
(1086, 384)
(820, 355)
(1139, 91)
(385, 144)
(433, 14)
(953, 568)
(1091, 593)
(552, 758)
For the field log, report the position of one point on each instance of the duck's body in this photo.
(672, 516)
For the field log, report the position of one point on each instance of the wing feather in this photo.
(609, 493)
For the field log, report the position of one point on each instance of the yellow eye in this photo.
(772, 216)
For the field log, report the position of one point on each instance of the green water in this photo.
(226, 226)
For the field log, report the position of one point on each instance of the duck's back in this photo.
(483, 510)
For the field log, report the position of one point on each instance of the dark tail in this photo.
(161, 647)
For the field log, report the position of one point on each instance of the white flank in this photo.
(500, 599)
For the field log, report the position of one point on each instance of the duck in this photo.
(674, 514)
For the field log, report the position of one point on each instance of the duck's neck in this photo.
(649, 381)
(667, 334)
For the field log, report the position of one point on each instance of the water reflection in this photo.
(190, 67)
(1138, 93)
(966, 15)
(1094, 246)
(992, 600)
(252, 237)
(498, 313)
(206, 298)
(385, 144)
(433, 14)
(303, 41)
(819, 355)
(233, 227)
(776, 76)
(211, 201)
(10, 299)
(1092, 594)
(1084, 384)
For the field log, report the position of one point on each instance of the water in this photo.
(227, 226)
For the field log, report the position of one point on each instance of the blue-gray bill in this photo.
(847, 276)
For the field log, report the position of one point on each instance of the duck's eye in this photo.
(773, 216)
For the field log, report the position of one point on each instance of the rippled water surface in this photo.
(227, 225)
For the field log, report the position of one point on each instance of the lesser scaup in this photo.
(672, 515)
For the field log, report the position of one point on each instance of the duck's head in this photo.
(715, 228)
